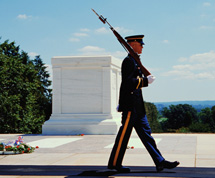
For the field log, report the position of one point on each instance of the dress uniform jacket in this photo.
(132, 82)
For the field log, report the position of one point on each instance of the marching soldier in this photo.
(131, 105)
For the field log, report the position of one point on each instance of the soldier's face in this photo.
(137, 47)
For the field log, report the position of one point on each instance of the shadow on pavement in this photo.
(102, 171)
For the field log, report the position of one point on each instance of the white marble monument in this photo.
(85, 95)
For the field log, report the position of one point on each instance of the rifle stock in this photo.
(126, 46)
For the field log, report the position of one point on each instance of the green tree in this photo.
(213, 113)
(178, 116)
(45, 96)
(199, 127)
(152, 116)
(205, 117)
(25, 97)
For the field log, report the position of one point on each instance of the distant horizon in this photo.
(198, 105)
(186, 101)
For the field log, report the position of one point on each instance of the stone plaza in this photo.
(84, 156)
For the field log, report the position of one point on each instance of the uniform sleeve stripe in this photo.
(138, 83)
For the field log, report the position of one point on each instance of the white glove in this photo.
(150, 78)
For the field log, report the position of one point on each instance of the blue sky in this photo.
(179, 37)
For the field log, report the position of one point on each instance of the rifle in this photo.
(125, 45)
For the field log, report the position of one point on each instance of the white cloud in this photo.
(204, 57)
(102, 30)
(206, 4)
(197, 66)
(84, 30)
(95, 50)
(193, 67)
(80, 34)
(119, 54)
(182, 59)
(74, 39)
(90, 50)
(206, 75)
(204, 27)
(165, 41)
(24, 16)
(123, 30)
(33, 54)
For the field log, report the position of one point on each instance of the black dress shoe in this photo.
(122, 169)
(166, 164)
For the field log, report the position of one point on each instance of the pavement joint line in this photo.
(196, 152)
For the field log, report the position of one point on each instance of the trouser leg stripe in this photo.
(121, 138)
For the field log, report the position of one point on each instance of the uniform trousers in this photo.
(132, 119)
